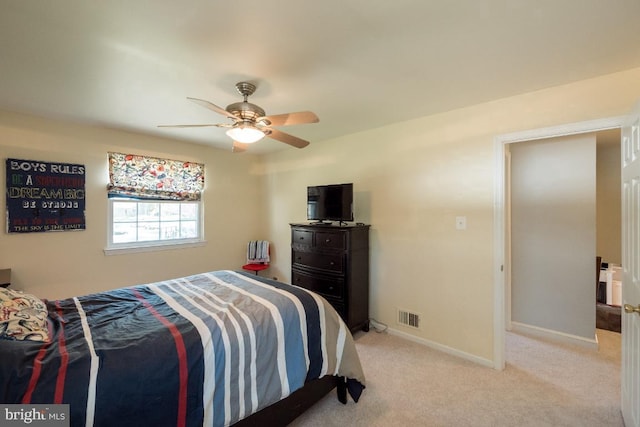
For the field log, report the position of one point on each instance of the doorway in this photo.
(502, 260)
(552, 194)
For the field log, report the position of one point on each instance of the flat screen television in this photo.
(330, 202)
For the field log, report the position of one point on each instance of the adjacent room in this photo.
(381, 154)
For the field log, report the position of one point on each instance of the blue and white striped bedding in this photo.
(208, 349)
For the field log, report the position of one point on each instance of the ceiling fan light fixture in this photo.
(245, 134)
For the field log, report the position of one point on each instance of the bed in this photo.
(212, 349)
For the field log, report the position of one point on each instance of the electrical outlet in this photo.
(461, 223)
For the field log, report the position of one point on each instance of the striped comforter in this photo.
(208, 349)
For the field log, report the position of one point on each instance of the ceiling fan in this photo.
(249, 122)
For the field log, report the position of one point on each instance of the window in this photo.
(153, 202)
(135, 221)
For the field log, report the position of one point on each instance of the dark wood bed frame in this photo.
(285, 411)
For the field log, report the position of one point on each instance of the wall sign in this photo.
(43, 196)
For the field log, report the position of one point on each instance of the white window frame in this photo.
(152, 245)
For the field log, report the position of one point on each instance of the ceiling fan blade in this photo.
(220, 125)
(238, 147)
(299, 118)
(286, 138)
(212, 107)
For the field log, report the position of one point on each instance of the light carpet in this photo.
(545, 383)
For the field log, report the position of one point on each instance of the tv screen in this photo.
(330, 202)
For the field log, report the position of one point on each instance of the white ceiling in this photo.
(358, 64)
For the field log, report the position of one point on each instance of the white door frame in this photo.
(501, 257)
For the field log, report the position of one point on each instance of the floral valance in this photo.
(145, 177)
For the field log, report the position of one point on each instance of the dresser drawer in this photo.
(302, 237)
(339, 308)
(329, 262)
(333, 261)
(330, 287)
(330, 240)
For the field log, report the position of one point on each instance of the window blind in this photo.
(144, 177)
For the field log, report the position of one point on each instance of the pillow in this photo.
(23, 317)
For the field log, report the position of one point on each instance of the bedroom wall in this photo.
(62, 264)
(553, 234)
(411, 181)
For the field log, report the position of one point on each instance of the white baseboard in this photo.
(555, 335)
(443, 348)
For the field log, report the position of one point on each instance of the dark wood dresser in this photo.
(333, 261)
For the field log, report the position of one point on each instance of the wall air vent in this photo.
(408, 319)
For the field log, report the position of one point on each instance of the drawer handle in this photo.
(332, 263)
(327, 240)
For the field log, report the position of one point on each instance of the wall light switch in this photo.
(461, 223)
